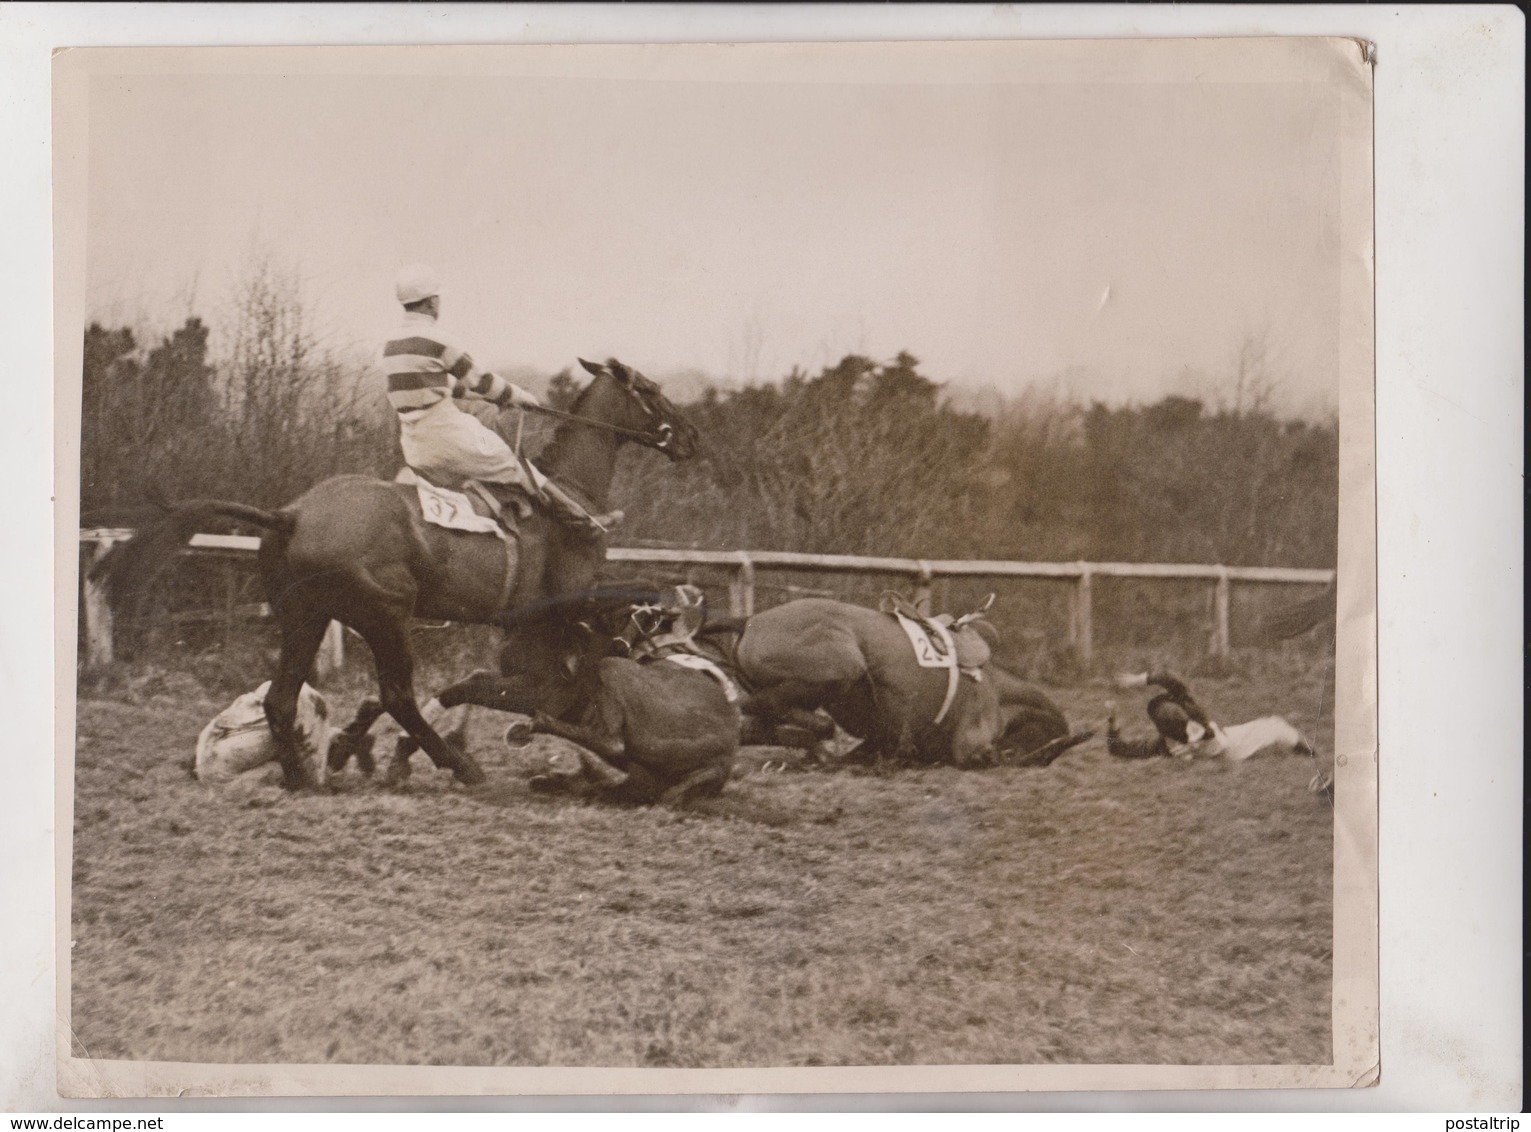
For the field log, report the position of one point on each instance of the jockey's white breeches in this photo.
(445, 442)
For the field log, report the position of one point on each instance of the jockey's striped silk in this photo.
(423, 369)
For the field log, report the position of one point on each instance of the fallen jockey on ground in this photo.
(1185, 731)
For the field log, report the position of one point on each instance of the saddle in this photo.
(653, 626)
(667, 631)
(468, 505)
(956, 644)
(966, 633)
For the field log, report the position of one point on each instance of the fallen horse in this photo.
(908, 687)
(651, 730)
(646, 730)
(537, 649)
(803, 667)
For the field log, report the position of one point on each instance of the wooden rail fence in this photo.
(97, 617)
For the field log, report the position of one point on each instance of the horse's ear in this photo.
(593, 367)
(622, 373)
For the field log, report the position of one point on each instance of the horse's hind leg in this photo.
(395, 675)
(704, 782)
(600, 755)
(300, 644)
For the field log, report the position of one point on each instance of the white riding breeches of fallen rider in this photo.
(447, 443)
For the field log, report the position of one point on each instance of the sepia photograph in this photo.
(674, 568)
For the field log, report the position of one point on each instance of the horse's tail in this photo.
(1049, 752)
(130, 566)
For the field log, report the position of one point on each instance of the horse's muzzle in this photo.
(677, 444)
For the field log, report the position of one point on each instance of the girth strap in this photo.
(952, 673)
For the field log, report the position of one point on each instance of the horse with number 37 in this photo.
(357, 550)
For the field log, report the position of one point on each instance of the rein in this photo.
(660, 436)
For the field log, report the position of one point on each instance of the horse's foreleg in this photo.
(300, 644)
(406, 745)
(395, 673)
(353, 740)
(599, 754)
(1049, 752)
(491, 690)
(608, 747)
(480, 689)
(787, 707)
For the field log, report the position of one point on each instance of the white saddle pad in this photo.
(928, 653)
(452, 510)
(702, 664)
(939, 653)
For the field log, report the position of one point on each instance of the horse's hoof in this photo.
(519, 734)
(564, 762)
(339, 754)
(547, 784)
(469, 773)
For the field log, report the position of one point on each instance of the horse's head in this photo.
(645, 414)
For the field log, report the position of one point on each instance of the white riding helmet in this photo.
(416, 282)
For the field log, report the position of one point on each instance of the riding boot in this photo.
(567, 510)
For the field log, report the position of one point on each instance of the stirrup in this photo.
(594, 526)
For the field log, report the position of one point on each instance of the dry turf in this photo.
(1096, 911)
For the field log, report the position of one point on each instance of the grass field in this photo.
(1097, 911)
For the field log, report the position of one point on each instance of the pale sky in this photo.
(1121, 233)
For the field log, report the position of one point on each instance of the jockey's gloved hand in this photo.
(521, 398)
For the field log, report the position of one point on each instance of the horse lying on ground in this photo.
(652, 730)
(360, 551)
(858, 665)
(536, 665)
(803, 667)
(645, 729)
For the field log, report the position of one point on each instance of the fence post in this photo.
(741, 589)
(332, 650)
(1221, 594)
(1081, 629)
(922, 589)
(230, 592)
(97, 612)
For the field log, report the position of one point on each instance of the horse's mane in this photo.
(553, 452)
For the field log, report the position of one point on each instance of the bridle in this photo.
(659, 437)
(644, 622)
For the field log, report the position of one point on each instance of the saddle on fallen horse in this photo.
(668, 632)
(957, 644)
